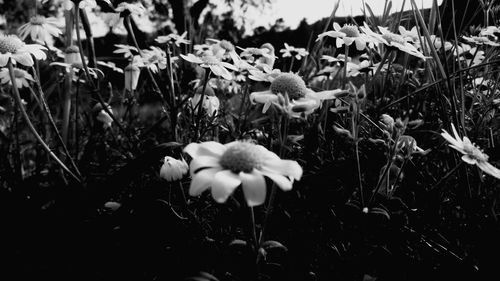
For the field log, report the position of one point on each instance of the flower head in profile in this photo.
(173, 169)
(127, 50)
(22, 78)
(480, 40)
(154, 58)
(292, 86)
(391, 39)
(223, 49)
(174, 39)
(208, 60)
(222, 168)
(347, 35)
(471, 153)
(40, 28)
(290, 51)
(13, 48)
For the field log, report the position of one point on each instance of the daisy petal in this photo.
(203, 162)
(489, 169)
(254, 187)
(202, 180)
(209, 148)
(284, 167)
(223, 185)
(283, 182)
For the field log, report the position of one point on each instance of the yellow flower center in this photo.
(391, 37)
(10, 44)
(37, 20)
(350, 30)
(289, 83)
(241, 157)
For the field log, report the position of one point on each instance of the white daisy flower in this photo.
(292, 85)
(222, 168)
(290, 51)
(212, 62)
(347, 35)
(22, 78)
(471, 154)
(40, 28)
(13, 48)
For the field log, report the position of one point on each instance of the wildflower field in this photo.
(154, 140)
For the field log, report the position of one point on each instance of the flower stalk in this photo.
(47, 149)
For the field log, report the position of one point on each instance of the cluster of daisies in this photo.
(221, 168)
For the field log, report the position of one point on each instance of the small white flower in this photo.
(471, 154)
(11, 47)
(40, 28)
(290, 51)
(347, 35)
(208, 60)
(173, 169)
(22, 78)
(173, 38)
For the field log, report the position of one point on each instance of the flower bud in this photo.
(72, 56)
(173, 169)
(131, 73)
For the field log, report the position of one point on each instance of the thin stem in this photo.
(54, 127)
(253, 228)
(199, 106)
(346, 54)
(128, 26)
(19, 102)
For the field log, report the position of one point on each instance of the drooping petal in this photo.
(360, 43)
(223, 184)
(192, 58)
(203, 162)
(284, 167)
(283, 182)
(348, 41)
(209, 148)
(202, 180)
(4, 58)
(254, 187)
(23, 58)
(489, 169)
(468, 159)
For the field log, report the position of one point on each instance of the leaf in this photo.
(271, 245)
(203, 276)
(380, 211)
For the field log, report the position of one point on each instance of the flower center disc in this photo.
(350, 30)
(226, 45)
(37, 20)
(291, 84)
(241, 157)
(10, 44)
